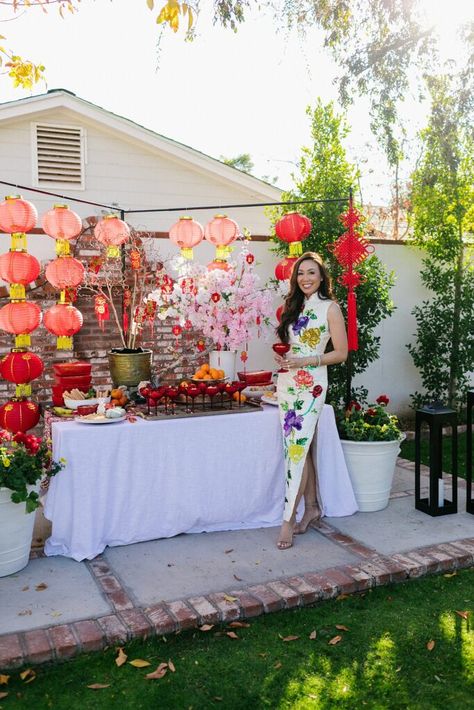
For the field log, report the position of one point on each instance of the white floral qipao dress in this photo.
(302, 392)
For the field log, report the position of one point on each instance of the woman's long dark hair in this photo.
(295, 299)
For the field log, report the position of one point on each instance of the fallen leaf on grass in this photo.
(239, 579)
(463, 614)
(159, 673)
(28, 676)
(341, 627)
(25, 612)
(139, 663)
(397, 670)
(98, 686)
(55, 614)
(334, 640)
(227, 552)
(341, 597)
(121, 658)
(239, 625)
(277, 665)
(448, 575)
(218, 698)
(263, 655)
(41, 587)
(206, 627)
(229, 599)
(313, 635)
(289, 638)
(4, 679)
(430, 645)
(437, 678)
(232, 635)
(171, 666)
(3, 695)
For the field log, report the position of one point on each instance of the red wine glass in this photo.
(202, 388)
(239, 386)
(222, 388)
(172, 393)
(231, 390)
(281, 349)
(211, 391)
(193, 392)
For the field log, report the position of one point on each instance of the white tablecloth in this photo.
(130, 482)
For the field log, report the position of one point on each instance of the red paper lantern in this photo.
(65, 272)
(221, 231)
(61, 223)
(284, 268)
(112, 232)
(20, 317)
(21, 367)
(293, 228)
(279, 312)
(17, 215)
(19, 267)
(19, 415)
(64, 321)
(186, 234)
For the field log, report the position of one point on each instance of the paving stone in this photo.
(382, 572)
(120, 600)
(343, 582)
(109, 583)
(99, 566)
(342, 539)
(445, 560)
(325, 589)
(11, 651)
(268, 597)
(186, 617)
(288, 594)
(307, 592)
(161, 620)
(63, 640)
(464, 557)
(208, 614)
(136, 622)
(90, 635)
(362, 550)
(229, 610)
(113, 628)
(361, 579)
(249, 604)
(37, 645)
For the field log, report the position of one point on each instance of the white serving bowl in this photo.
(75, 403)
(258, 391)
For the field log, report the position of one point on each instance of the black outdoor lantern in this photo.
(436, 416)
(469, 498)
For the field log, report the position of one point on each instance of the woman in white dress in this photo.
(311, 317)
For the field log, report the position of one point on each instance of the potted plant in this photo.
(227, 305)
(24, 460)
(370, 439)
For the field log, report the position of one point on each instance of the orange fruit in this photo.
(207, 377)
(221, 374)
(198, 375)
(235, 397)
(205, 368)
(214, 373)
(116, 393)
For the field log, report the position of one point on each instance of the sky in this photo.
(223, 94)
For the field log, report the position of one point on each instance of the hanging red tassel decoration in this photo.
(127, 300)
(101, 309)
(135, 260)
(350, 250)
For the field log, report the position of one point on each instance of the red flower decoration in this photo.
(215, 297)
(176, 330)
(201, 345)
(243, 356)
(317, 391)
(371, 412)
(304, 379)
(383, 400)
(354, 405)
(250, 258)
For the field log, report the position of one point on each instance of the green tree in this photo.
(443, 220)
(242, 162)
(326, 174)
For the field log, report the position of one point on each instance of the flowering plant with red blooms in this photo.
(372, 423)
(24, 460)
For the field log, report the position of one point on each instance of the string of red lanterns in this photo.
(221, 231)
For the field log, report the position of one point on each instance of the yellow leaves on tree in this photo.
(170, 13)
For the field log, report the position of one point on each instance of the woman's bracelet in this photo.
(319, 360)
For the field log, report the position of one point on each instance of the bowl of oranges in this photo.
(209, 375)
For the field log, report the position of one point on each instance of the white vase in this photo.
(371, 465)
(16, 533)
(223, 360)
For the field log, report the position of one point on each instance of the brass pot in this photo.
(130, 368)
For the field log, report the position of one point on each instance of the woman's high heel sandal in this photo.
(314, 521)
(286, 544)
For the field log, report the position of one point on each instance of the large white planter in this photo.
(16, 532)
(223, 360)
(371, 465)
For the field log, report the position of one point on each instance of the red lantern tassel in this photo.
(352, 339)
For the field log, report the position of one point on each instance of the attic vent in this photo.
(59, 152)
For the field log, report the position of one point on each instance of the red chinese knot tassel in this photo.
(101, 309)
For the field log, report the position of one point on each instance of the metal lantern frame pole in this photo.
(469, 496)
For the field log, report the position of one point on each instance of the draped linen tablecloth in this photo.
(129, 482)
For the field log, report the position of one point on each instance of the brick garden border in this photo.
(127, 622)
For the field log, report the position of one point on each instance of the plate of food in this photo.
(270, 398)
(259, 391)
(99, 419)
(75, 398)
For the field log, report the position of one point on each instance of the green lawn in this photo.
(408, 452)
(383, 659)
